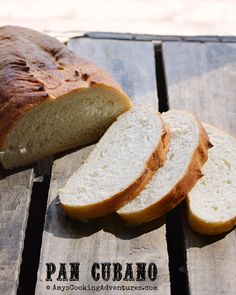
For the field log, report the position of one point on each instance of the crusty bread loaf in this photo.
(119, 167)
(50, 99)
(188, 150)
(212, 202)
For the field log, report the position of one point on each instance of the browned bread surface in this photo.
(35, 68)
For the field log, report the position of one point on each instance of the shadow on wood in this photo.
(7, 172)
(198, 240)
(58, 224)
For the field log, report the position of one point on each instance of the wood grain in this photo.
(152, 37)
(105, 239)
(202, 78)
(15, 192)
(67, 35)
(131, 64)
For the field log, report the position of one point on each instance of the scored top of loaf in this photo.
(35, 67)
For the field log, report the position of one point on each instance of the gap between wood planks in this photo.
(35, 224)
(34, 230)
(174, 228)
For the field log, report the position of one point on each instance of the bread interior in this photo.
(75, 119)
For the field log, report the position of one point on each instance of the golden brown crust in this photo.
(179, 192)
(210, 228)
(34, 68)
(117, 201)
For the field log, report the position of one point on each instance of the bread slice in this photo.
(120, 166)
(51, 99)
(188, 150)
(212, 201)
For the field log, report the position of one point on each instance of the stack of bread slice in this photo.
(188, 151)
(119, 167)
(144, 166)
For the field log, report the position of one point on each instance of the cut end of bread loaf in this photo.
(75, 119)
(212, 202)
(119, 167)
(188, 150)
(51, 99)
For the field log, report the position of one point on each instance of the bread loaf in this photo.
(119, 167)
(188, 150)
(51, 100)
(212, 201)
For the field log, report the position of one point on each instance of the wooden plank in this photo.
(15, 192)
(127, 62)
(201, 78)
(67, 35)
(105, 239)
(152, 37)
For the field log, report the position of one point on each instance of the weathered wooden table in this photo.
(198, 74)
